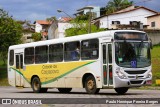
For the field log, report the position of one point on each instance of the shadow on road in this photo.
(84, 93)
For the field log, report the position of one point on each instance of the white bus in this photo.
(118, 59)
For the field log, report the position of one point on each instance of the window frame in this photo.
(57, 52)
(153, 24)
(91, 49)
(11, 64)
(74, 55)
(41, 57)
(33, 56)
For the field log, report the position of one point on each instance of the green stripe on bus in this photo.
(52, 80)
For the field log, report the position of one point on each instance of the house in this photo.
(28, 29)
(57, 29)
(154, 21)
(95, 10)
(64, 19)
(130, 18)
(42, 26)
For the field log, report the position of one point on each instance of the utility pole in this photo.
(89, 21)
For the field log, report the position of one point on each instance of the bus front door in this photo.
(107, 64)
(19, 67)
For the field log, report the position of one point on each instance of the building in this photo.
(130, 18)
(42, 26)
(154, 21)
(95, 10)
(28, 29)
(57, 29)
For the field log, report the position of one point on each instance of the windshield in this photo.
(132, 54)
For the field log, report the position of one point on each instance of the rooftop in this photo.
(43, 22)
(128, 10)
(64, 19)
(158, 14)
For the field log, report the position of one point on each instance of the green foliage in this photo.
(116, 5)
(81, 30)
(81, 19)
(3, 76)
(102, 11)
(53, 18)
(155, 62)
(36, 36)
(80, 26)
(10, 33)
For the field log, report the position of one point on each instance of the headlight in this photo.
(120, 74)
(149, 75)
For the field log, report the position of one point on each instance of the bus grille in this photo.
(136, 72)
(136, 82)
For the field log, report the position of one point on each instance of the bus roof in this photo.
(109, 33)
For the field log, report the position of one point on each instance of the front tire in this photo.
(64, 90)
(90, 85)
(122, 90)
(36, 86)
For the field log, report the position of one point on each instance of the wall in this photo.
(57, 30)
(38, 28)
(26, 38)
(61, 29)
(154, 35)
(52, 31)
(155, 19)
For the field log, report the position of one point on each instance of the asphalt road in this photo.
(79, 95)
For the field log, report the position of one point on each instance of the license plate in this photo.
(149, 82)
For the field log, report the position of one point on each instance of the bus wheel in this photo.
(90, 85)
(36, 86)
(64, 90)
(122, 90)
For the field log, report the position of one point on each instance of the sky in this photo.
(32, 10)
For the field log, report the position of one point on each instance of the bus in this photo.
(118, 59)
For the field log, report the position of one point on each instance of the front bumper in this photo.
(130, 82)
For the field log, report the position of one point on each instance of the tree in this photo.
(36, 36)
(116, 5)
(80, 26)
(53, 18)
(102, 11)
(10, 33)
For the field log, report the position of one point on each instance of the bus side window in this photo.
(72, 51)
(29, 55)
(11, 57)
(56, 53)
(41, 54)
(90, 49)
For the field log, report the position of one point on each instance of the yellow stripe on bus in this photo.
(50, 72)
